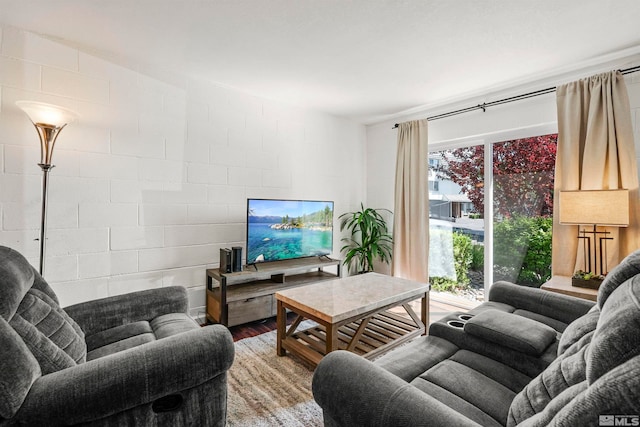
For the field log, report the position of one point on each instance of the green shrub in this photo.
(462, 257)
(477, 257)
(522, 247)
(443, 284)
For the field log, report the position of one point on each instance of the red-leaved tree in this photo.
(523, 171)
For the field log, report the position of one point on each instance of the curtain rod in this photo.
(486, 105)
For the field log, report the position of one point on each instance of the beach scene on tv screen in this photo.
(285, 229)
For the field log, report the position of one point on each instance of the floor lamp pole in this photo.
(43, 214)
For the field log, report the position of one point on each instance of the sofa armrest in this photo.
(354, 392)
(106, 313)
(127, 379)
(512, 331)
(556, 306)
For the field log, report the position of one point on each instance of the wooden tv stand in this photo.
(248, 295)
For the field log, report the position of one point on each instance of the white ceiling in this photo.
(361, 59)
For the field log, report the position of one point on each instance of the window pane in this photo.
(456, 224)
(523, 172)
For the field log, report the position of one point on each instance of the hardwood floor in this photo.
(258, 327)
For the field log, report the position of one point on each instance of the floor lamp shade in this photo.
(48, 120)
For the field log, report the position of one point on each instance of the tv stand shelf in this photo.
(248, 295)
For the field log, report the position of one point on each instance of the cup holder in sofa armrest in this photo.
(456, 324)
(450, 327)
(511, 330)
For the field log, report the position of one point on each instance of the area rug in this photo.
(267, 390)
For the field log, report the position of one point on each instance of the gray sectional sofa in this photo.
(136, 359)
(526, 357)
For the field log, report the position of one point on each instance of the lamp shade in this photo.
(41, 113)
(595, 207)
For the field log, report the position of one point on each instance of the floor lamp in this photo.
(605, 208)
(48, 120)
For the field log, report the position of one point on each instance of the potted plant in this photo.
(369, 240)
(584, 279)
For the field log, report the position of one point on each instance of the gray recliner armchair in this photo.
(134, 359)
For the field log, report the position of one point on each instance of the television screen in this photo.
(285, 229)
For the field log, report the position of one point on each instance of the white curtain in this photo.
(411, 210)
(596, 151)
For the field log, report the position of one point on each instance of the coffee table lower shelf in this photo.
(382, 332)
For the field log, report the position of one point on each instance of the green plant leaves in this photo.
(369, 240)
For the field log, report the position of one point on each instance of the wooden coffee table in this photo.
(351, 314)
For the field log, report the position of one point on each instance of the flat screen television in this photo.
(286, 229)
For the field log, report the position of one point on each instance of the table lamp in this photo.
(604, 208)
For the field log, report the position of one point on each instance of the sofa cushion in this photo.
(451, 376)
(466, 383)
(172, 324)
(124, 344)
(131, 335)
(492, 305)
(511, 330)
(512, 379)
(545, 320)
(579, 328)
(55, 339)
(19, 370)
(617, 336)
(417, 357)
(567, 370)
(16, 278)
(616, 392)
(629, 267)
(119, 333)
(565, 398)
(455, 402)
(556, 324)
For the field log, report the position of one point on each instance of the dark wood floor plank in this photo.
(259, 327)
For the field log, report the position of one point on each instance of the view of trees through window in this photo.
(522, 214)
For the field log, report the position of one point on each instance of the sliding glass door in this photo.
(523, 209)
(490, 209)
(456, 221)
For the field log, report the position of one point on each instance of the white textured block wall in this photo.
(153, 178)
